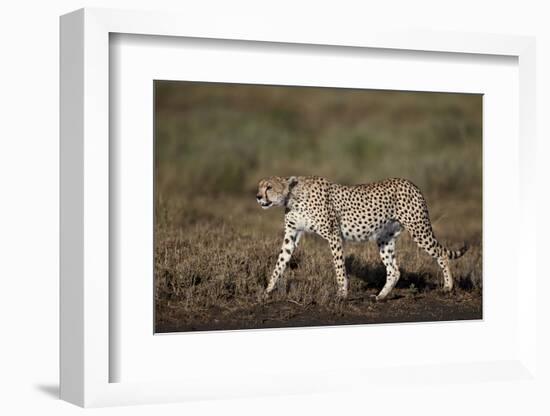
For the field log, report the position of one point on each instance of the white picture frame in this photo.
(86, 356)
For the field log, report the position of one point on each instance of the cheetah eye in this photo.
(268, 188)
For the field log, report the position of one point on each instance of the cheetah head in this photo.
(274, 191)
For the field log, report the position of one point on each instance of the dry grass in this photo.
(219, 262)
(215, 248)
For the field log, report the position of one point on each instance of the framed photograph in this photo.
(246, 214)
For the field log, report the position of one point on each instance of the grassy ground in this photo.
(215, 248)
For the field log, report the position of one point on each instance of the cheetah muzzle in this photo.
(377, 211)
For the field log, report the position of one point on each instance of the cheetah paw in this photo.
(341, 295)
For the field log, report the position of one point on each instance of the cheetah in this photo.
(376, 211)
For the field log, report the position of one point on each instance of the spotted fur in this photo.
(377, 211)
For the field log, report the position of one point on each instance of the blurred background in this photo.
(213, 142)
(221, 138)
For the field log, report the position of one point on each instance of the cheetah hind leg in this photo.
(426, 240)
(386, 246)
(422, 233)
(447, 276)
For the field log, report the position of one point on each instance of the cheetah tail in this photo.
(455, 254)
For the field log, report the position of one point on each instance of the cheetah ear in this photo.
(292, 182)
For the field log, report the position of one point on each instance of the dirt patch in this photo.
(403, 306)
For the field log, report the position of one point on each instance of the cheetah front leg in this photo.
(290, 242)
(336, 248)
(386, 245)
